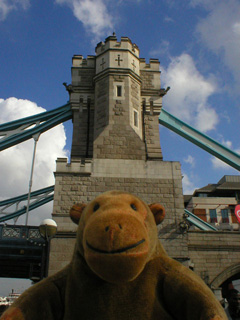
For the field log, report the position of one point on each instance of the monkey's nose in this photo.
(113, 227)
(112, 230)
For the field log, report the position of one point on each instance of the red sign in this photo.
(237, 212)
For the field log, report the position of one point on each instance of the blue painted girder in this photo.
(25, 196)
(201, 140)
(24, 209)
(37, 203)
(197, 222)
(49, 120)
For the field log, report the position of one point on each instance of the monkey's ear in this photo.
(76, 212)
(158, 212)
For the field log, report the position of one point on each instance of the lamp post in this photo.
(48, 229)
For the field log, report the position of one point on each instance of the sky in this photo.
(196, 41)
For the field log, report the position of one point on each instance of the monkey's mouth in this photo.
(121, 250)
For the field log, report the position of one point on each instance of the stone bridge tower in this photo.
(116, 98)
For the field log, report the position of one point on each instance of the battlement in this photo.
(112, 43)
(153, 65)
(75, 167)
(79, 61)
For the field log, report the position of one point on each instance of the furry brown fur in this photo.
(119, 271)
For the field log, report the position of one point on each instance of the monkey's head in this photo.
(117, 234)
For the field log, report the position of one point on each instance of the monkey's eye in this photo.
(96, 207)
(133, 207)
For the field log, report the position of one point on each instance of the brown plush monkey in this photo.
(119, 270)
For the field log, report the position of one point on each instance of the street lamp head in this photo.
(48, 228)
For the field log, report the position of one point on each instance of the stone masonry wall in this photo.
(101, 107)
(150, 79)
(117, 139)
(154, 150)
(81, 148)
(135, 106)
(83, 76)
(151, 181)
(147, 80)
(82, 97)
(213, 252)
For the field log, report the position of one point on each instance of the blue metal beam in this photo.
(25, 196)
(39, 197)
(50, 118)
(197, 222)
(43, 116)
(200, 139)
(24, 209)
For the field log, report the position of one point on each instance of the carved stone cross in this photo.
(102, 64)
(134, 66)
(118, 59)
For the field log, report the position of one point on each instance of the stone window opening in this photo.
(119, 91)
(135, 118)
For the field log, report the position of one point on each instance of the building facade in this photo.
(215, 203)
(216, 255)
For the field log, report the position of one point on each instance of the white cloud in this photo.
(15, 162)
(13, 108)
(190, 160)
(206, 118)
(23, 3)
(168, 19)
(7, 6)
(188, 185)
(188, 97)
(205, 3)
(219, 164)
(93, 14)
(220, 32)
(161, 49)
(236, 28)
(133, 1)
